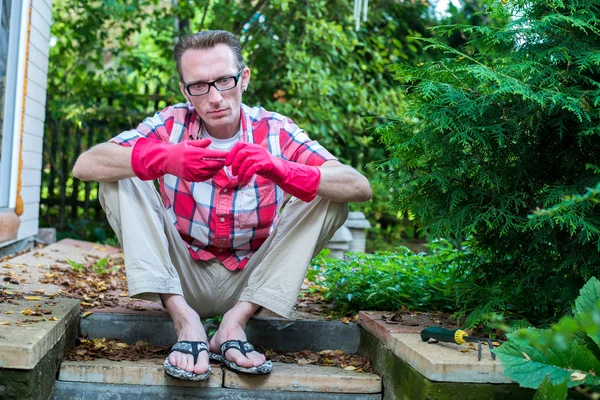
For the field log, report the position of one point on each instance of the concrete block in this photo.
(22, 347)
(307, 378)
(46, 235)
(37, 383)
(403, 382)
(444, 362)
(100, 391)
(142, 372)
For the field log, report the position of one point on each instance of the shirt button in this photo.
(222, 219)
(225, 190)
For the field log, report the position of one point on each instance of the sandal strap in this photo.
(242, 347)
(190, 347)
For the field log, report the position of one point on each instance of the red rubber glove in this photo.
(299, 180)
(189, 160)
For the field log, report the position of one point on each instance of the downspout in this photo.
(20, 207)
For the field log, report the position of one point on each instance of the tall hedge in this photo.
(493, 137)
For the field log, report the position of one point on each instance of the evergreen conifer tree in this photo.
(492, 140)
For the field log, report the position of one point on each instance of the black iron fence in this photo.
(68, 204)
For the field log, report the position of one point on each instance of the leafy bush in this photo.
(391, 280)
(562, 357)
(500, 128)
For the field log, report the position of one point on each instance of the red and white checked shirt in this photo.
(218, 217)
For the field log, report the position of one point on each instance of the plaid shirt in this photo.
(218, 217)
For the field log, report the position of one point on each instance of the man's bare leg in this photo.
(188, 327)
(232, 328)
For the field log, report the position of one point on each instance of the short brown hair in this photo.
(207, 40)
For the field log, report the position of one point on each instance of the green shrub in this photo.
(507, 125)
(391, 280)
(562, 357)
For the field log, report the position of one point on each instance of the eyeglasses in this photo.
(221, 84)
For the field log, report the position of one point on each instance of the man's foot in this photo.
(232, 328)
(189, 328)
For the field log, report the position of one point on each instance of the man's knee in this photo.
(108, 194)
(338, 212)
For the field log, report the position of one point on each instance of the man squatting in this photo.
(214, 242)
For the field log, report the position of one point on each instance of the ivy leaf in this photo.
(532, 355)
(589, 295)
(548, 391)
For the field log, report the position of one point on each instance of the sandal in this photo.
(243, 347)
(187, 347)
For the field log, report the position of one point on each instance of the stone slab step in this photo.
(143, 372)
(80, 379)
(23, 346)
(268, 333)
(99, 391)
(307, 378)
(442, 362)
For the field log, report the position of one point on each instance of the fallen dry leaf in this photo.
(578, 376)
(52, 319)
(86, 314)
(4, 323)
(40, 291)
(10, 312)
(31, 298)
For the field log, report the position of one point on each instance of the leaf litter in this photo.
(117, 350)
(94, 282)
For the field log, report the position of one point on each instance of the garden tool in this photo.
(457, 336)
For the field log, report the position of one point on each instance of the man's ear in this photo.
(245, 78)
(183, 92)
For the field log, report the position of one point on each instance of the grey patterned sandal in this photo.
(187, 347)
(243, 347)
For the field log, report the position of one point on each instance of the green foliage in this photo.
(504, 126)
(565, 356)
(75, 265)
(391, 280)
(111, 65)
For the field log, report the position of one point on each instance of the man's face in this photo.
(220, 110)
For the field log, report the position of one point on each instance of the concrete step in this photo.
(104, 379)
(265, 333)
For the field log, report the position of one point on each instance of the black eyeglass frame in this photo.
(235, 77)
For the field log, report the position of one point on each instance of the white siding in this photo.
(35, 114)
(34, 126)
(33, 143)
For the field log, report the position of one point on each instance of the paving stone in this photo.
(101, 391)
(56, 253)
(27, 277)
(444, 362)
(275, 334)
(142, 372)
(307, 378)
(21, 347)
(403, 382)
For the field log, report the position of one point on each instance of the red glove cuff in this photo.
(301, 181)
(147, 156)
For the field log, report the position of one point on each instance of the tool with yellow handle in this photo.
(457, 336)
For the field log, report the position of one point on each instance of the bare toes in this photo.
(202, 359)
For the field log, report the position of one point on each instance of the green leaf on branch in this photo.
(530, 356)
(589, 295)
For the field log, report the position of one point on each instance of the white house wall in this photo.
(33, 127)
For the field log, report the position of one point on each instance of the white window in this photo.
(11, 96)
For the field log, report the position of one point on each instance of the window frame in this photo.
(11, 127)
